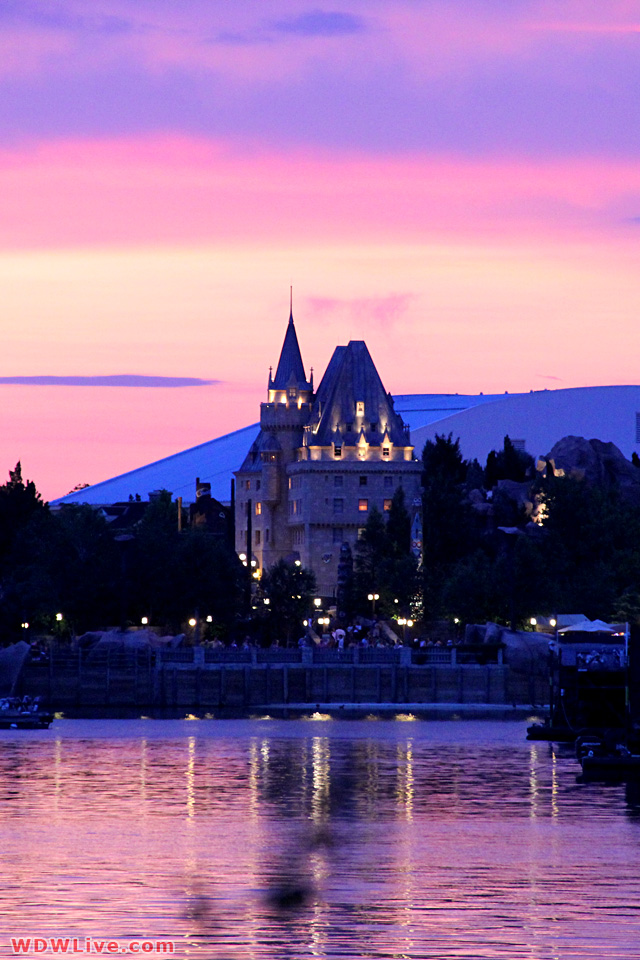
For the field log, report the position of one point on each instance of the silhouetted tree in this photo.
(290, 591)
(508, 464)
(449, 524)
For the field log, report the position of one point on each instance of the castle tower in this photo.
(321, 462)
(262, 482)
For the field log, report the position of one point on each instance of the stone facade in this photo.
(321, 462)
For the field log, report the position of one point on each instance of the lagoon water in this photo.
(315, 838)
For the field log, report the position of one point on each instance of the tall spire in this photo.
(290, 369)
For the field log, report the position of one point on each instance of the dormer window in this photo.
(385, 453)
(293, 393)
(359, 408)
(337, 452)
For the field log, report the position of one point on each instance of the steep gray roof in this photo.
(265, 442)
(351, 377)
(290, 367)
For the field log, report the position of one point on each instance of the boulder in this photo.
(12, 660)
(527, 653)
(595, 462)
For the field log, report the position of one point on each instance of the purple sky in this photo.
(456, 183)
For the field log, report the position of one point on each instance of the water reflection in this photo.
(271, 839)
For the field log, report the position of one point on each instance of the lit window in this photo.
(290, 483)
(387, 505)
(360, 408)
(258, 508)
(363, 505)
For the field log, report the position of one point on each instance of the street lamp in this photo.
(373, 597)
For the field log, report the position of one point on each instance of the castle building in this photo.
(321, 462)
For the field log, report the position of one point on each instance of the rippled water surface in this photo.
(320, 839)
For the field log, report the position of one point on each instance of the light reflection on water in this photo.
(262, 839)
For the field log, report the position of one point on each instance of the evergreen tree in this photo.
(290, 590)
(508, 464)
(449, 524)
(384, 563)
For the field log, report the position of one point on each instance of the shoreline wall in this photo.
(140, 681)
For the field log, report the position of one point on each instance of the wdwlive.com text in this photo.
(74, 945)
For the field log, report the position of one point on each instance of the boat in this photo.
(24, 713)
(550, 732)
(605, 760)
(588, 681)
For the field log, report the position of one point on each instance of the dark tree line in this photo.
(70, 561)
(484, 556)
(486, 559)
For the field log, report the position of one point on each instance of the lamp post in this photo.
(373, 597)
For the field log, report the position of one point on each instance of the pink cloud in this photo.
(382, 311)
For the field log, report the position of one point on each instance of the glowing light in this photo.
(317, 602)
(144, 621)
(59, 617)
(209, 619)
(192, 622)
(533, 621)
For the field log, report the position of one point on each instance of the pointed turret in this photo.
(290, 374)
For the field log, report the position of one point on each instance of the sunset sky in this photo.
(457, 183)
